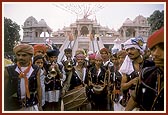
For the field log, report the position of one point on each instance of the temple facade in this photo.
(32, 29)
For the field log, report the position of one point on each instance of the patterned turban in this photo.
(98, 57)
(134, 42)
(92, 56)
(80, 56)
(38, 47)
(155, 38)
(24, 48)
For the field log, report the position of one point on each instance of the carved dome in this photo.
(140, 20)
(42, 23)
(30, 21)
(128, 21)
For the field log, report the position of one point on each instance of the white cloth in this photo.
(52, 96)
(22, 82)
(32, 108)
(126, 67)
(109, 63)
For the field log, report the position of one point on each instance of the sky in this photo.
(108, 14)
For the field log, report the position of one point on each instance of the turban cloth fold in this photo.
(92, 56)
(80, 56)
(24, 48)
(98, 57)
(39, 47)
(134, 42)
(156, 38)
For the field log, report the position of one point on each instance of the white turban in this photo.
(134, 42)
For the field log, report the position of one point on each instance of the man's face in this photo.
(133, 53)
(68, 54)
(104, 55)
(39, 63)
(121, 59)
(53, 58)
(98, 62)
(158, 54)
(23, 58)
(114, 60)
(91, 61)
(80, 61)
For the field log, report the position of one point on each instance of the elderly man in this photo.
(132, 66)
(149, 93)
(22, 89)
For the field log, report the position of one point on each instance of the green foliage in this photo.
(11, 34)
(156, 20)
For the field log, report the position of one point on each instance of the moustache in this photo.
(130, 54)
(20, 60)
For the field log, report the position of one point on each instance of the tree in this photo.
(156, 20)
(11, 34)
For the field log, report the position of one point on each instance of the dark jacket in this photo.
(12, 93)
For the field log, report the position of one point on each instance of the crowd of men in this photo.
(133, 77)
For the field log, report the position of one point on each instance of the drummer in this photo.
(76, 75)
(97, 78)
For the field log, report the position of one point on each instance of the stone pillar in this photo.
(44, 34)
(90, 29)
(124, 33)
(33, 33)
(78, 28)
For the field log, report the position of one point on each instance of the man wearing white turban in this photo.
(149, 92)
(132, 66)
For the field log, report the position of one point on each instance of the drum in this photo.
(75, 98)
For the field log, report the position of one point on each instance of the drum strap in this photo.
(67, 83)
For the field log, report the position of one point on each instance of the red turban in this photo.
(38, 47)
(155, 38)
(24, 48)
